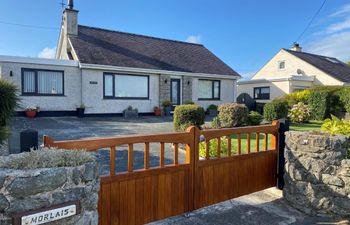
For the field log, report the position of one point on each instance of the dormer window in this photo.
(281, 65)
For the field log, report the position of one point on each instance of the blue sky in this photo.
(243, 33)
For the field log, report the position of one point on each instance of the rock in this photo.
(2, 179)
(27, 204)
(76, 176)
(68, 195)
(47, 180)
(3, 203)
(332, 180)
(90, 172)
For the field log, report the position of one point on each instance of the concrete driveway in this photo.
(261, 208)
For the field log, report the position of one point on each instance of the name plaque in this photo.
(47, 215)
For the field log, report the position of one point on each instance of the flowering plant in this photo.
(299, 113)
(32, 108)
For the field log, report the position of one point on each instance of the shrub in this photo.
(188, 115)
(344, 96)
(213, 146)
(46, 158)
(296, 97)
(336, 126)
(318, 104)
(232, 114)
(212, 107)
(299, 113)
(215, 123)
(166, 103)
(254, 118)
(276, 109)
(8, 102)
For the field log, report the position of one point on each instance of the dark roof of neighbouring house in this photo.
(329, 65)
(114, 48)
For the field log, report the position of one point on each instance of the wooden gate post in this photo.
(284, 126)
(192, 158)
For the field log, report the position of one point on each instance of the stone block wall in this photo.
(317, 177)
(164, 88)
(32, 189)
(187, 89)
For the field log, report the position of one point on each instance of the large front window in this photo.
(42, 82)
(126, 86)
(209, 90)
(262, 93)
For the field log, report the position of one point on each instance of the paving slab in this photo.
(262, 208)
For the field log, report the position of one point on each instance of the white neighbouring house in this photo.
(109, 70)
(292, 70)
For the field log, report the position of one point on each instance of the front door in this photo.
(175, 92)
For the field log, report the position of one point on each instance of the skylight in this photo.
(332, 60)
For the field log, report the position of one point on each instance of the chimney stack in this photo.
(296, 47)
(70, 19)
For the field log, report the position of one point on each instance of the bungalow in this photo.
(109, 70)
(292, 70)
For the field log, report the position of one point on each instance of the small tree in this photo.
(8, 103)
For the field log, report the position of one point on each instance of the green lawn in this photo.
(312, 125)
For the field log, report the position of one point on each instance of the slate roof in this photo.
(329, 65)
(114, 48)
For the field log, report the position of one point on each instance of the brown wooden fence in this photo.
(149, 194)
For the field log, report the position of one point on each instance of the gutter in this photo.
(153, 71)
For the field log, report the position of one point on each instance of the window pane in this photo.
(216, 89)
(265, 90)
(28, 81)
(108, 85)
(131, 86)
(282, 65)
(50, 82)
(205, 89)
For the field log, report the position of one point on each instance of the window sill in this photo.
(113, 98)
(209, 99)
(42, 95)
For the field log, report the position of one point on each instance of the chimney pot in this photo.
(296, 47)
(70, 4)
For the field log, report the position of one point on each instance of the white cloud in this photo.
(345, 9)
(48, 53)
(196, 39)
(335, 45)
(337, 27)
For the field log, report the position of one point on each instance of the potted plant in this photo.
(130, 112)
(212, 110)
(157, 111)
(81, 111)
(31, 111)
(167, 107)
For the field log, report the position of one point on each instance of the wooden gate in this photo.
(153, 193)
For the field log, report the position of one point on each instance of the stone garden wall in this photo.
(31, 189)
(317, 178)
(4, 149)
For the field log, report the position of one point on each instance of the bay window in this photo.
(42, 82)
(122, 86)
(209, 89)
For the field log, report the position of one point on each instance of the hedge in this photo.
(232, 114)
(254, 118)
(188, 115)
(276, 109)
(9, 101)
